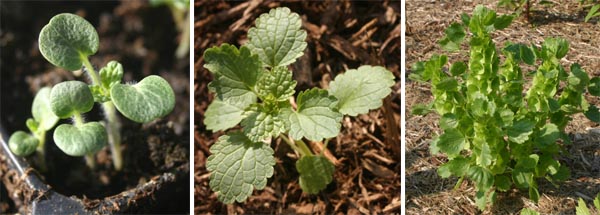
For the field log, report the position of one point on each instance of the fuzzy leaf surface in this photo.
(238, 166)
(80, 140)
(22, 144)
(316, 117)
(276, 85)
(316, 172)
(70, 97)
(66, 39)
(42, 111)
(360, 90)
(145, 101)
(277, 38)
(222, 115)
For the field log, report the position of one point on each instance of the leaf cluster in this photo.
(496, 132)
(254, 88)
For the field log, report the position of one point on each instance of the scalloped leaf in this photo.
(277, 38)
(222, 115)
(67, 39)
(150, 99)
(360, 90)
(316, 117)
(316, 172)
(236, 71)
(276, 85)
(42, 111)
(80, 140)
(238, 166)
(262, 124)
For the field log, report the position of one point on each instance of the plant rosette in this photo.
(254, 88)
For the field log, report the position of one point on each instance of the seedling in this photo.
(67, 41)
(582, 208)
(494, 133)
(180, 12)
(254, 88)
(24, 144)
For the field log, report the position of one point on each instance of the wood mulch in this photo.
(341, 36)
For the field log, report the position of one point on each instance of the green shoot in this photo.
(254, 87)
(180, 12)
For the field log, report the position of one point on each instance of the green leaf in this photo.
(557, 47)
(594, 87)
(67, 39)
(597, 202)
(593, 113)
(521, 52)
(221, 115)
(447, 84)
(80, 140)
(362, 89)
(448, 121)
(502, 182)
(316, 117)
(421, 109)
(316, 172)
(519, 132)
(277, 38)
(521, 178)
(582, 208)
(276, 85)
(451, 142)
(42, 111)
(563, 174)
(457, 167)
(238, 166)
(458, 68)
(548, 135)
(482, 177)
(71, 97)
(22, 144)
(527, 211)
(454, 36)
(592, 13)
(262, 124)
(534, 194)
(32, 125)
(150, 99)
(503, 21)
(481, 199)
(111, 74)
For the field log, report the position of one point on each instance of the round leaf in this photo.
(41, 111)
(66, 39)
(148, 100)
(70, 97)
(22, 144)
(316, 172)
(80, 140)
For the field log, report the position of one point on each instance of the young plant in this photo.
(24, 144)
(582, 208)
(496, 133)
(254, 88)
(180, 12)
(67, 41)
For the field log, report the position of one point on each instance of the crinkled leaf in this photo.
(451, 142)
(111, 74)
(150, 99)
(276, 85)
(316, 172)
(277, 38)
(67, 39)
(262, 124)
(222, 115)
(238, 166)
(362, 89)
(70, 97)
(482, 177)
(42, 111)
(22, 144)
(80, 140)
(316, 117)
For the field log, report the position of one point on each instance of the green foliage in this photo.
(492, 134)
(593, 12)
(150, 99)
(528, 211)
(22, 144)
(41, 110)
(80, 140)
(253, 87)
(71, 97)
(582, 208)
(66, 39)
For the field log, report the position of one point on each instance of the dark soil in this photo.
(140, 37)
(341, 36)
(426, 192)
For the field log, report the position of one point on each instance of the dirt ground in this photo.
(426, 192)
(341, 35)
(143, 40)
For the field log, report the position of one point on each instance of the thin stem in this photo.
(91, 71)
(459, 182)
(90, 161)
(324, 146)
(291, 144)
(113, 129)
(41, 136)
(184, 41)
(303, 147)
(78, 119)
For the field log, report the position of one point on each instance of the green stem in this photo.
(90, 161)
(303, 147)
(113, 129)
(183, 47)
(41, 136)
(459, 182)
(291, 144)
(78, 119)
(91, 71)
(324, 146)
